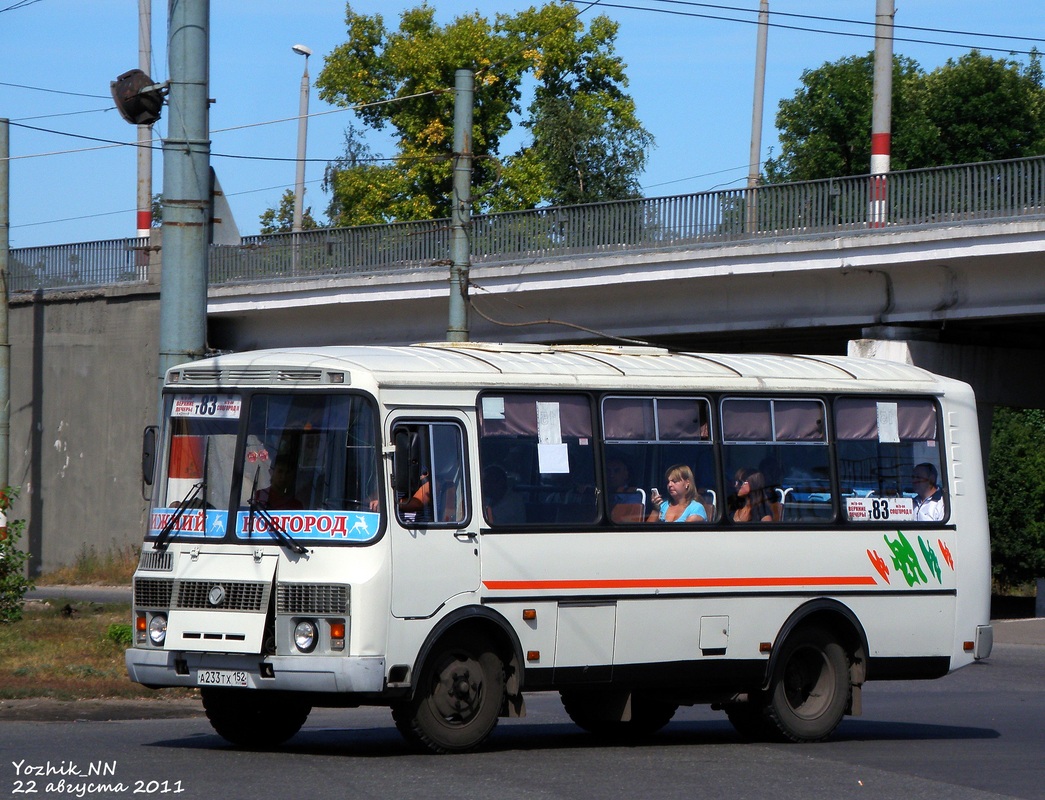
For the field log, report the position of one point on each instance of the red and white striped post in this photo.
(881, 113)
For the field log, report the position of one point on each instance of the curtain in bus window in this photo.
(746, 421)
(682, 419)
(516, 415)
(197, 442)
(858, 418)
(798, 421)
(629, 418)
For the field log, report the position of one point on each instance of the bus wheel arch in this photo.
(836, 618)
(815, 672)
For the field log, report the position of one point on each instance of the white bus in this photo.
(442, 528)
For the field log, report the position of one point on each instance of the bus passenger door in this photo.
(434, 529)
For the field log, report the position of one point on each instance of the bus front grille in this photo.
(311, 598)
(152, 592)
(155, 560)
(224, 595)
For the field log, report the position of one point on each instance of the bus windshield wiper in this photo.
(199, 489)
(273, 524)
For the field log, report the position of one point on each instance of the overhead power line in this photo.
(868, 23)
(55, 91)
(851, 34)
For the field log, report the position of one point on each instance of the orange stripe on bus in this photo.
(683, 583)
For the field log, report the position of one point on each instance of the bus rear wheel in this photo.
(810, 689)
(458, 700)
(254, 719)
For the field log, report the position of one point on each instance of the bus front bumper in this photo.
(342, 674)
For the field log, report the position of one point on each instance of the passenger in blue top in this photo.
(682, 504)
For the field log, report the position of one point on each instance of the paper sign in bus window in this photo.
(552, 452)
(888, 423)
(493, 408)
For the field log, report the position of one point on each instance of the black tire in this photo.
(458, 699)
(255, 719)
(810, 689)
(589, 710)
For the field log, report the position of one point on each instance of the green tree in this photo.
(825, 128)
(986, 109)
(587, 141)
(588, 144)
(974, 109)
(281, 220)
(1016, 495)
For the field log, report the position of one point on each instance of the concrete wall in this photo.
(83, 387)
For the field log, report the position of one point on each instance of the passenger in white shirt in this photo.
(928, 505)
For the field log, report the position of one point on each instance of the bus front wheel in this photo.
(810, 689)
(458, 700)
(254, 719)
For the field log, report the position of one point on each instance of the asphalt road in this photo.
(976, 734)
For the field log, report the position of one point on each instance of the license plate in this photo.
(221, 677)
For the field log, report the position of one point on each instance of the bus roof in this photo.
(477, 364)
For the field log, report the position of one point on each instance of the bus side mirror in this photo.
(149, 438)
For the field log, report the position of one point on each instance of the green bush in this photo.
(1016, 495)
(13, 581)
(119, 633)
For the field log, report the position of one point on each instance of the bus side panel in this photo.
(971, 550)
(679, 595)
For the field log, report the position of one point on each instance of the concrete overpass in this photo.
(955, 281)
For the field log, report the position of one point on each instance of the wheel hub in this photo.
(460, 695)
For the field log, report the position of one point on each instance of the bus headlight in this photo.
(158, 629)
(305, 636)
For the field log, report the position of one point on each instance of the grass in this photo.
(69, 651)
(113, 568)
(73, 650)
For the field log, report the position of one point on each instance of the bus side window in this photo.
(430, 474)
(645, 438)
(890, 448)
(537, 454)
(776, 459)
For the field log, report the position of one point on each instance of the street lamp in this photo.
(299, 187)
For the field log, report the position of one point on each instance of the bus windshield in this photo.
(197, 475)
(306, 466)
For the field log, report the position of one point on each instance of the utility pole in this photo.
(186, 187)
(755, 156)
(461, 206)
(881, 112)
(5, 345)
(299, 177)
(144, 220)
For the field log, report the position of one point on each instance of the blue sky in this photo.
(691, 76)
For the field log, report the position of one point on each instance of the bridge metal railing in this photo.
(79, 265)
(863, 204)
